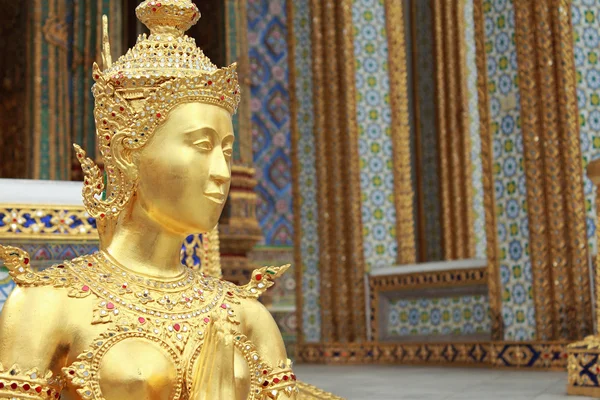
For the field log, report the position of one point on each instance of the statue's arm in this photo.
(262, 330)
(31, 355)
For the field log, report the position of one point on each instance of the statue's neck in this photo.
(144, 246)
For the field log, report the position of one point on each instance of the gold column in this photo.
(553, 170)
(453, 130)
(400, 128)
(491, 229)
(341, 259)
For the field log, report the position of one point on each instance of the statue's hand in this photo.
(214, 374)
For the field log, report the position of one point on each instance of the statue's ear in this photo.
(124, 159)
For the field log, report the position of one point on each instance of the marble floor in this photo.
(428, 383)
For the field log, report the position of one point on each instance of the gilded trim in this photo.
(400, 132)
(534, 172)
(355, 257)
(47, 222)
(321, 137)
(491, 230)
(442, 128)
(466, 169)
(537, 355)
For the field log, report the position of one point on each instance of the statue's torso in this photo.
(127, 338)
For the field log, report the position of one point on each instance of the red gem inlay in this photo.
(224, 306)
(258, 277)
(177, 327)
(26, 387)
(207, 320)
(13, 386)
(26, 261)
(1, 385)
(60, 266)
(142, 320)
(38, 389)
(229, 294)
(265, 372)
(124, 286)
(72, 372)
(293, 377)
(110, 306)
(85, 288)
(222, 97)
(266, 383)
(276, 380)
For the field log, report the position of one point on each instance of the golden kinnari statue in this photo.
(131, 322)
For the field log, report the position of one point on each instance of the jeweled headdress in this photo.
(134, 95)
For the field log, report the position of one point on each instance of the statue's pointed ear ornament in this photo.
(134, 95)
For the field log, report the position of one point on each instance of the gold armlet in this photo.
(280, 383)
(31, 384)
(17, 262)
(262, 279)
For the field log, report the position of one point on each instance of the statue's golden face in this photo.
(184, 171)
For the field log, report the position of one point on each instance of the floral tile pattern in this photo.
(309, 212)
(456, 315)
(509, 186)
(374, 143)
(267, 41)
(586, 30)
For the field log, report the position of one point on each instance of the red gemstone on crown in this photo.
(102, 215)
(13, 386)
(26, 261)
(207, 320)
(38, 389)
(177, 327)
(266, 383)
(209, 83)
(265, 372)
(224, 306)
(258, 277)
(60, 266)
(26, 387)
(276, 380)
(85, 288)
(124, 286)
(122, 109)
(293, 377)
(222, 97)
(285, 378)
(142, 320)
(110, 306)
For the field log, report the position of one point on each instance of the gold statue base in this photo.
(584, 367)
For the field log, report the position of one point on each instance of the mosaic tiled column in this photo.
(552, 165)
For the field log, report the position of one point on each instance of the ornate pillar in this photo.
(239, 230)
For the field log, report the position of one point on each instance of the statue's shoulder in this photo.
(18, 264)
(261, 280)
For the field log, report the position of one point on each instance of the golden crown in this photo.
(134, 95)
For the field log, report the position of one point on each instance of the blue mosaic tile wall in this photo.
(509, 176)
(374, 142)
(451, 315)
(271, 143)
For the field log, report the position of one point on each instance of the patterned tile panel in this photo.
(457, 315)
(309, 244)
(374, 143)
(477, 172)
(586, 30)
(509, 186)
(268, 49)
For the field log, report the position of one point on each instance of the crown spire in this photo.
(173, 17)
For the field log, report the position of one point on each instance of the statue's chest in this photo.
(145, 337)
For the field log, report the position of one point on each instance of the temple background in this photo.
(421, 162)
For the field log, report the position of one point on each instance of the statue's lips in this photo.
(217, 197)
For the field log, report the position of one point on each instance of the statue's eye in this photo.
(228, 152)
(204, 144)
